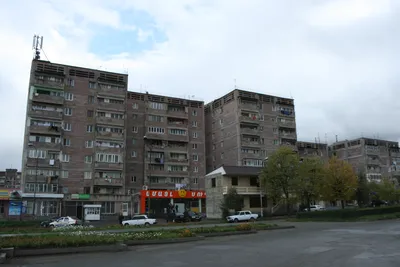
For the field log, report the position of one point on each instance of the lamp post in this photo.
(148, 174)
(261, 192)
(36, 176)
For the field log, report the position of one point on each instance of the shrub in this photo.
(344, 214)
(186, 233)
(243, 227)
(15, 224)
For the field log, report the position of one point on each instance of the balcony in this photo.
(247, 142)
(110, 121)
(40, 179)
(177, 161)
(373, 162)
(49, 114)
(107, 166)
(58, 100)
(108, 181)
(110, 106)
(395, 172)
(110, 136)
(48, 130)
(118, 91)
(47, 146)
(249, 107)
(248, 119)
(49, 84)
(372, 151)
(395, 154)
(178, 114)
(286, 113)
(287, 124)
(251, 190)
(31, 162)
(117, 150)
(249, 131)
(288, 135)
(180, 138)
(156, 172)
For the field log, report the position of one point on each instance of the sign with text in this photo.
(173, 194)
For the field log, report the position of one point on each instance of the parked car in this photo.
(378, 203)
(65, 221)
(139, 220)
(242, 216)
(47, 222)
(190, 217)
(316, 208)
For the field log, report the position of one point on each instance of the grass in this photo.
(376, 217)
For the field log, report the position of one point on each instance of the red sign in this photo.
(173, 194)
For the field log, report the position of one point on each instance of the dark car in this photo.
(189, 216)
(48, 221)
(378, 203)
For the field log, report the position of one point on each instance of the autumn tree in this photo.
(232, 201)
(384, 190)
(363, 191)
(280, 173)
(309, 180)
(340, 181)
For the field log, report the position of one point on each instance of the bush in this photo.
(186, 233)
(344, 214)
(243, 227)
(14, 224)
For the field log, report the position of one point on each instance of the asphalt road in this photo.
(310, 244)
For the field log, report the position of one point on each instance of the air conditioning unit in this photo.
(145, 187)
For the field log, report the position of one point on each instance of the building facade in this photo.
(10, 178)
(375, 158)
(164, 145)
(246, 182)
(242, 128)
(74, 139)
(310, 149)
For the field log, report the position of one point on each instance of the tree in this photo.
(385, 190)
(280, 173)
(362, 194)
(340, 181)
(309, 180)
(232, 201)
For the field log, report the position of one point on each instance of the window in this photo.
(135, 129)
(71, 82)
(88, 159)
(133, 141)
(195, 180)
(261, 117)
(87, 175)
(133, 179)
(33, 153)
(92, 85)
(195, 135)
(66, 142)
(65, 157)
(195, 157)
(68, 111)
(156, 130)
(134, 116)
(89, 128)
(108, 158)
(133, 154)
(221, 121)
(67, 126)
(89, 144)
(194, 123)
(156, 118)
(194, 146)
(89, 113)
(177, 131)
(196, 169)
(135, 106)
(234, 181)
(276, 142)
(107, 207)
(213, 183)
(194, 112)
(222, 144)
(90, 99)
(64, 174)
(68, 96)
(222, 155)
(155, 105)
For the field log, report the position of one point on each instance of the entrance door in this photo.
(79, 210)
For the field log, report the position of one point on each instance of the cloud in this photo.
(338, 59)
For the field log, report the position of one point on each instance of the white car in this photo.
(65, 221)
(242, 216)
(139, 220)
(316, 208)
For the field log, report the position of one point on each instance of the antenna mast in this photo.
(37, 45)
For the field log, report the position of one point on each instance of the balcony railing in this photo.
(246, 142)
(373, 162)
(46, 114)
(52, 163)
(178, 114)
(290, 125)
(108, 181)
(250, 190)
(251, 107)
(104, 90)
(110, 106)
(175, 160)
(181, 138)
(288, 135)
(47, 83)
(51, 130)
(110, 121)
(251, 131)
(372, 151)
(106, 166)
(59, 100)
(109, 135)
(47, 146)
(250, 119)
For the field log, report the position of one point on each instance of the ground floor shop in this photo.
(157, 202)
(41, 204)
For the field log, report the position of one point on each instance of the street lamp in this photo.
(36, 176)
(261, 192)
(148, 174)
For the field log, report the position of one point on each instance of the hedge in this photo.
(13, 224)
(347, 213)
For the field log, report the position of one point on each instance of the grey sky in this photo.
(338, 59)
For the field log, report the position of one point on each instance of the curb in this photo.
(229, 233)
(69, 250)
(277, 228)
(165, 241)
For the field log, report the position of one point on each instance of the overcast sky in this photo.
(339, 59)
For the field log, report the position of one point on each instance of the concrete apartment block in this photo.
(310, 149)
(376, 158)
(10, 178)
(242, 128)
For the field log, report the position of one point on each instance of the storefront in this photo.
(156, 202)
(10, 203)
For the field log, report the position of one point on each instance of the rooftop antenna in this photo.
(37, 45)
(326, 138)
(235, 83)
(336, 138)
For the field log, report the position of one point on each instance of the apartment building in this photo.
(165, 144)
(242, 128)
(376, 158)
(310, 149)
(74, 139)
(10, 178)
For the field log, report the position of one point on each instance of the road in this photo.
(358, 244)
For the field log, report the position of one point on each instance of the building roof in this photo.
(236, 171)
